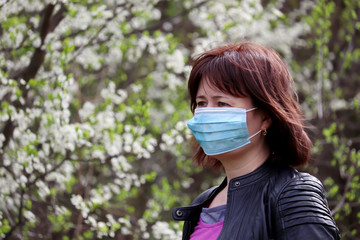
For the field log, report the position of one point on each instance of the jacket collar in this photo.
(250, 178)
(187, 213)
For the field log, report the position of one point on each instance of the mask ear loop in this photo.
(257, 131)
(254, 134)
(248, 110)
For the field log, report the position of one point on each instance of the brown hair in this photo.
(249, 69)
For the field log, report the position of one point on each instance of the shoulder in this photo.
(287, 181)
(303, 184)
(301, 203)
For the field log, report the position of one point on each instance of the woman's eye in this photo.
(201, 104)
(222, 104)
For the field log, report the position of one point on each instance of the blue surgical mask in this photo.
(221, 129)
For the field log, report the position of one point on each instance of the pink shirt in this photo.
(205, 231)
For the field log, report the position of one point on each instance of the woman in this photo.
(247, 122)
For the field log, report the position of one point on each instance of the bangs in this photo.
(221, 73)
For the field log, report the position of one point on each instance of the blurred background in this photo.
(94, 105)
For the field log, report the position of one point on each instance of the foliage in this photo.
(335, 101)
(93, 114)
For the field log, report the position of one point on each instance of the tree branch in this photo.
(8, 131)
(42, 176)
(49, 23)
(4, 3)
(343, 198)
(20, 217)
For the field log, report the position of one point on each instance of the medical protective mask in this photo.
(220, 130)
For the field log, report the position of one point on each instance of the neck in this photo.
(238, 164)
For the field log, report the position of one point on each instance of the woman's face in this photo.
(210, 96)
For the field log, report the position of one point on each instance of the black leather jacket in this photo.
(271, 202)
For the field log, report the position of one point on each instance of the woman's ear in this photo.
(266, 120)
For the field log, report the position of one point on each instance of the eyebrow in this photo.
(214, 97)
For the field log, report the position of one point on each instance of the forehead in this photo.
(207, 88)
(211, 86)
(210, 93)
